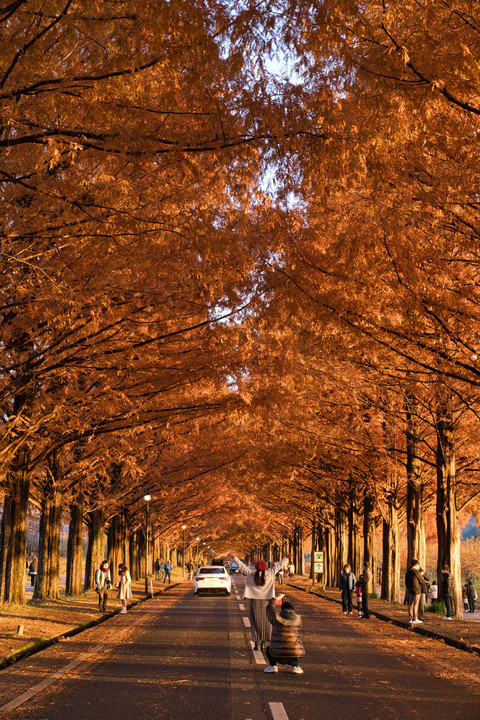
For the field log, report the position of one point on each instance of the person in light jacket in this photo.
(286, 646)
(346, 586)
(103, 583)
(259, 589)
(124, 586)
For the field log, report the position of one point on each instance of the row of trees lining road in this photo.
(252, 294)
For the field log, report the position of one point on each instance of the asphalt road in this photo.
(178, 657)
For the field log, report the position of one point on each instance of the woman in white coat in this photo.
(259, 589)
(124, 587)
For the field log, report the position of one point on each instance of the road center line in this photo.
(278, 711)
(257, 654)
(241, 606)
(246, 621)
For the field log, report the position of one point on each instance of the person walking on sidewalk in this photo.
(413, 584)
(32, 571)
(447, 591)
(103, 583)
(259, 589)
(346, 585)
(167, 572)
(124, 586)
(471, 595)
(286, 646)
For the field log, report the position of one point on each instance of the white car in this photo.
(212, 578)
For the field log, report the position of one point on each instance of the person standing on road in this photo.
(346, 585)
(103, 583)
(156, 567)
(465, 597)
(124, 586)
(365, 579)
(433, 592)
(167, 571)
(32, 571)
(291, 569)
(259, 589)
(286, 646)
(471, 595)
(280, 576)
(447, 591)
(413, 584)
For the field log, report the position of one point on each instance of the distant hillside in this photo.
(471, 529)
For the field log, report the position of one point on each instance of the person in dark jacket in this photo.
(346, 585)
(365, 579)
(447, 590)
(413, 584)
(286, 645)
(471, 595)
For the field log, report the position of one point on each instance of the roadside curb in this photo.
(459, 644)
(39, 645)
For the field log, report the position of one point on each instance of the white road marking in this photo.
(241, 606)
(278, 711)
(246, 621)
(85, 657)
(257, 654)
(13, 704)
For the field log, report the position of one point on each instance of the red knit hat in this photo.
(261, 565)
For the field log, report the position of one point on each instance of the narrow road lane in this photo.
(178, 657)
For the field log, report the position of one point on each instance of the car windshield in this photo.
(211, 571)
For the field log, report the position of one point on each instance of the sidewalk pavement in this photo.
(462, 634)
(46, 621)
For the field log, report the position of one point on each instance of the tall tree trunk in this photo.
(369, 554)
(75, 546)
(353, 533)
(416, 546)
(47, 585)
(448, 530)
(341, 541)
(117, 542)
(96, 546)
(14, 530)
(301, 552)
(391, 554)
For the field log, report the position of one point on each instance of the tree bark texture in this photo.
(48, 577)
(14, 531)
(448, 530)
(416, 545)
(369, 544)
(96, 546)
(75, 547)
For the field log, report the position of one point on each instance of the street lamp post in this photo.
(184, 527)
(197, 552)
(147, 499)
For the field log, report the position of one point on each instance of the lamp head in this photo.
(147, 497)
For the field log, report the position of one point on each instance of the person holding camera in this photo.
(286, 647)
(103, 583)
